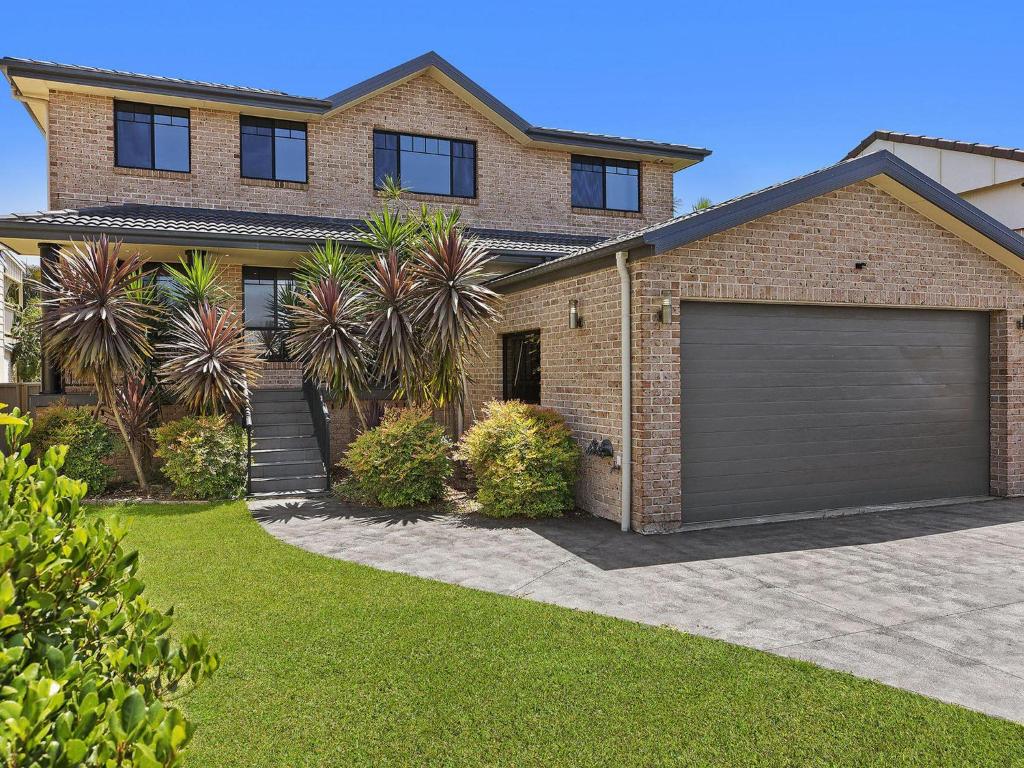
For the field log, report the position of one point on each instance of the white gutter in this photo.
(621, 257)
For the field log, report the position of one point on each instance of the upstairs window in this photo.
(152, 137)
(273, 149)
(425, 164)
(612, 185)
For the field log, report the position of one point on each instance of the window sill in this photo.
(605, 212)
(148, 173)
(420, 197)
(300, 185)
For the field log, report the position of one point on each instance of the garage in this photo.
(793, 408)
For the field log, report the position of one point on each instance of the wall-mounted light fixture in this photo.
(664, 314)
(575, 321)
(860, 264)
(1020, 322)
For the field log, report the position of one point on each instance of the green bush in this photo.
(403, 462)
(525, 460)
(204, 457)
(87, 667)
(89, 442)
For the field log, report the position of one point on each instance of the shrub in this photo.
(403, 462)
(204, 457)
(525, 460)
(87, 667)
(89, 442)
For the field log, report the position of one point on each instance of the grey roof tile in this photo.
(247, 225)
(974, 148)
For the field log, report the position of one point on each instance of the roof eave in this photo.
(14, 68)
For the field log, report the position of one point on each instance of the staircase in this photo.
(286, 456)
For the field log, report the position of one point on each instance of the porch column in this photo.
(52, 379)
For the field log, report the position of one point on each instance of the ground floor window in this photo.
(264, 292)
(521, 366)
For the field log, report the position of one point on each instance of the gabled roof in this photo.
(989, 150)
(680, 155)
(739, 210)
(211, 228)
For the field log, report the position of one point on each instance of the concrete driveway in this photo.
(930, 600)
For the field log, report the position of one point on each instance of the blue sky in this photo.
(774, 89)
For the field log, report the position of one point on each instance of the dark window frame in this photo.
(604, 161)
(152, 136)
(507, 383)
(273, 149)
(451, 161)
(250, 273)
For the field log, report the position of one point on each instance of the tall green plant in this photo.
(197, 280)
(26, 353)
(453, 306)
(99, 312)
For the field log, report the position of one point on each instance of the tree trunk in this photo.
(139, 474)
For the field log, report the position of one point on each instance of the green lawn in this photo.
(327, 663)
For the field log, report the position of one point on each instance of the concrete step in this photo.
(279, 443)
(310, 483)
(285, 455)
(280, 406)
(276, 395)
(291, 429)
(272, 418)
(287, 469)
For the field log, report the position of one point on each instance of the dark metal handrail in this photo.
(321, 415)
(247, 425)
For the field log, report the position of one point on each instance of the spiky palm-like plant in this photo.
(391, 334)
(326, 333)
(207, 364)
(197, 280)
(330, 261)
(136, 402)
(453, 306)
(97, 315)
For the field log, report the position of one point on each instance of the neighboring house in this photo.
(786, 352)
(13, 270)
(989, 177)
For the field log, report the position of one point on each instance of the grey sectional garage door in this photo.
(793, 408)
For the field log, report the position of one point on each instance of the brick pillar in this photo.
(1006, 404)
(50, 370)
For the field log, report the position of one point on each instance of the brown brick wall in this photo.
(579, 370)
(518, 188)
(804, 254)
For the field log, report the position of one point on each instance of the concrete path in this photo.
(929, 600)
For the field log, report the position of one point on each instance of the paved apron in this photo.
(927, 600)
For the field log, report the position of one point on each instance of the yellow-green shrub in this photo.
(402, 462)
(525, 460)
(88, 439)
(204, 457)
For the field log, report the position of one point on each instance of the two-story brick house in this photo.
(847, 339)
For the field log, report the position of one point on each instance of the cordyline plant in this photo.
(412, 314)
(207, 364)
(98, 313)
(326, 332)
(137, 404)
(196, 281)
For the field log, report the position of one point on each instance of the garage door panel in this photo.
(819, 445)
(809, 483)
(760, 405)
(790, 408)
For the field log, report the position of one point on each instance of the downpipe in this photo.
(626, 339)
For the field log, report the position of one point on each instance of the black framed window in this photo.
(425, 164)
(612, 185)
(273, 149)
(263, 291)
(151, 137)
(520, 354)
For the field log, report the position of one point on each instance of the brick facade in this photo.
(519, 188)
(803, 254)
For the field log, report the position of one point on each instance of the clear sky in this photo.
(775, 89)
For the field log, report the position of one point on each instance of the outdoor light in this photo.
(665, 313)
(575, 321)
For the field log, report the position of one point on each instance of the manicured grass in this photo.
(327, 663)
